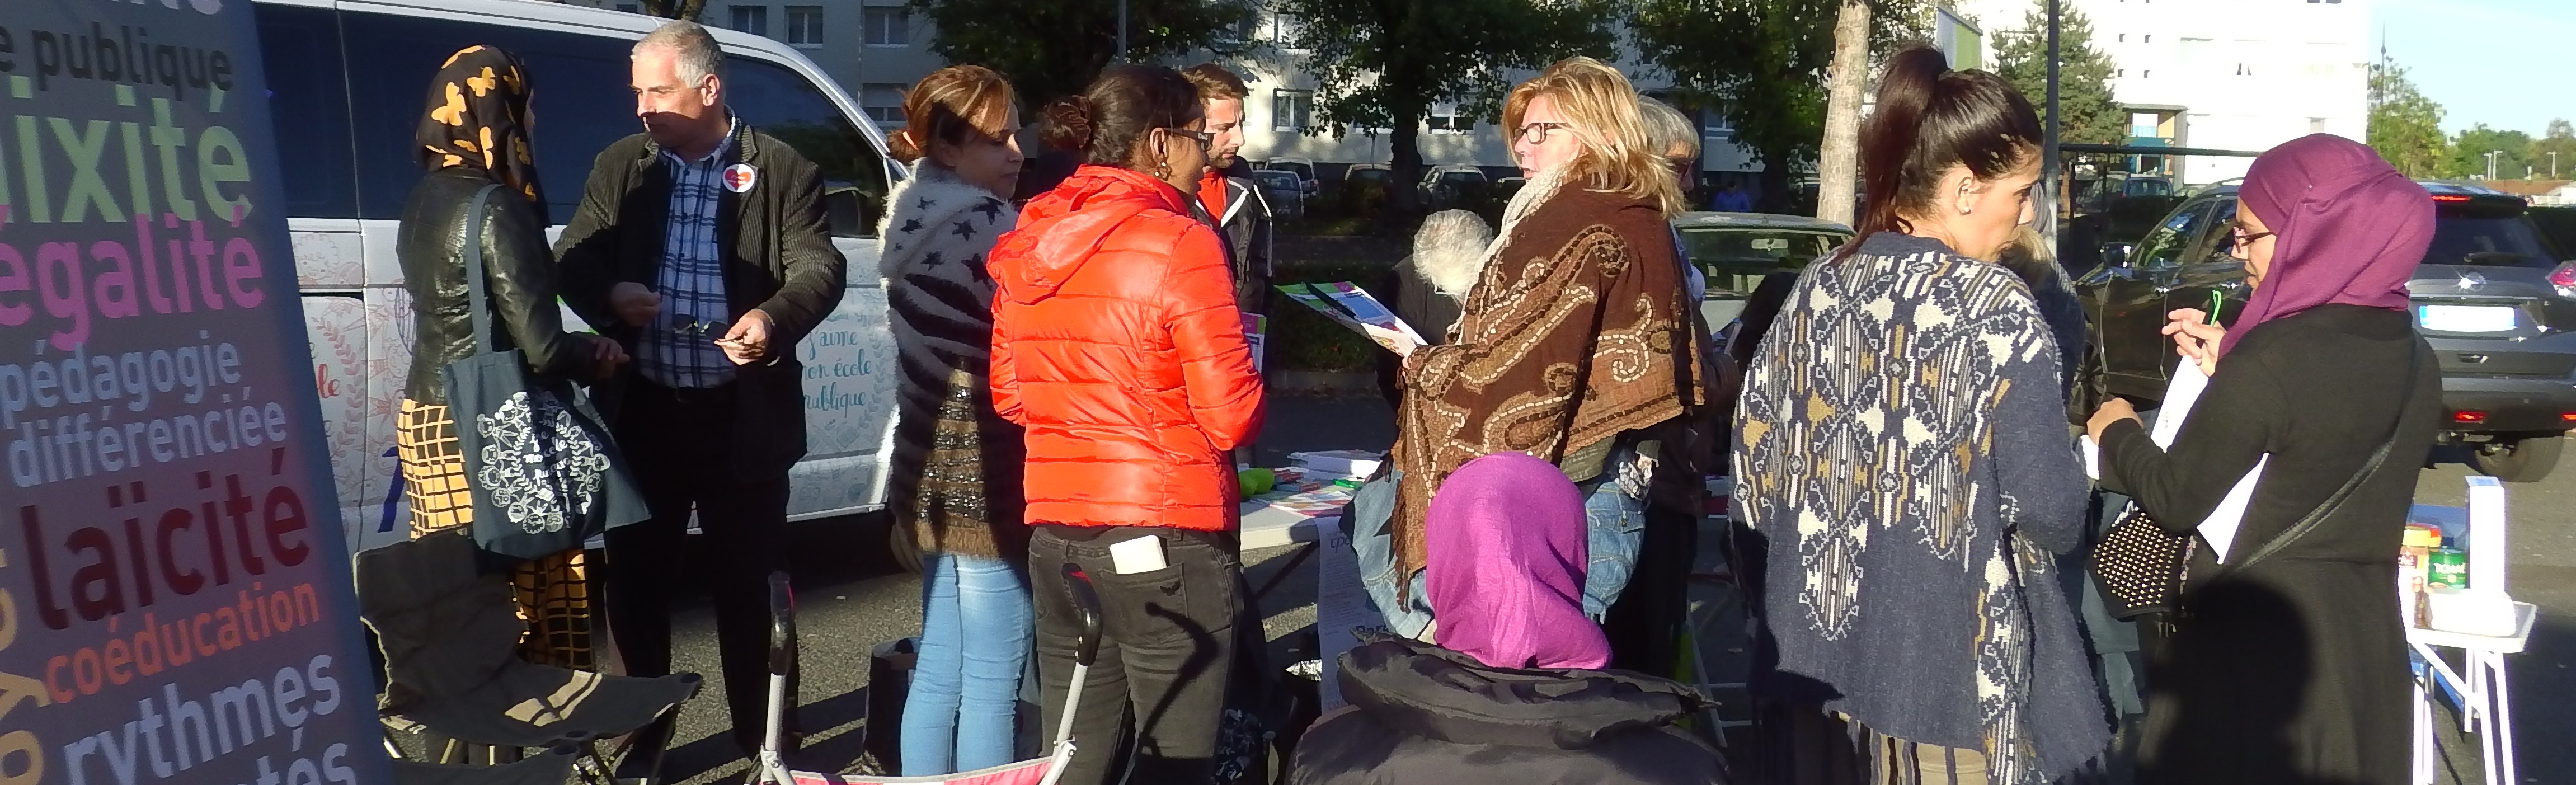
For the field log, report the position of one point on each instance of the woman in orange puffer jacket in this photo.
(1116, 343)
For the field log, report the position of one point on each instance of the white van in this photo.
(347, 80)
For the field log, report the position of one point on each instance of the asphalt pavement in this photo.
(851, 600)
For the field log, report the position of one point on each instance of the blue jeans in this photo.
(976, 627)
(1616, 522)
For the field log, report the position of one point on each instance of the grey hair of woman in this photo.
(696, 49)
(1668, 130)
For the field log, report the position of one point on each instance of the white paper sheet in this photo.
(2181, 394)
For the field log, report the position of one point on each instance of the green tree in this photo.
(2470, 148)
(1055, 48)
(2086, 112)
(675, 9)
(1761, 63)
(2405, 126)
(1384, 63)
(2561, 140)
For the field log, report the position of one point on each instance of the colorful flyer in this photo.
(1352, 306)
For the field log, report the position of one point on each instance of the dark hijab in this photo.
(476, 116)
(2347, 228)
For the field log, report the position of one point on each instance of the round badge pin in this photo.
(739, 178)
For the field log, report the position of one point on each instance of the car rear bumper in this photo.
(2511, 403)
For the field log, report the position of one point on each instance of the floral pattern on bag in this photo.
(539, 463)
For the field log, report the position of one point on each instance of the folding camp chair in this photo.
(549, 768)
(450, 637)
(770, 769)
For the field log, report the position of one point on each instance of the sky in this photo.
(2504, 63)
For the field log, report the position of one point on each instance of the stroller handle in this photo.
(782, 624)
(1086, 601)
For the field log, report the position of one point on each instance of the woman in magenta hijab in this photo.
(2289, 663)
(1514, 692)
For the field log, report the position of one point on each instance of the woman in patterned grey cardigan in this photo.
(954, 483)
(1903, 444)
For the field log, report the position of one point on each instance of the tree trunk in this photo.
(1838, 164)
(1404, 162)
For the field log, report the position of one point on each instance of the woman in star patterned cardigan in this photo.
(955, 482)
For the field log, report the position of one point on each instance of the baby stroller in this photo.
(770, 769)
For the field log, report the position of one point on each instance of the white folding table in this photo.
(2486, 705)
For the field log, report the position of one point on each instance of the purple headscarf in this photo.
(2347, 228)
(1507, 549)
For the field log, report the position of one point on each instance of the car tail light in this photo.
(2469, 418)
(2568, 418)
(2450, 197)
(2565, 279)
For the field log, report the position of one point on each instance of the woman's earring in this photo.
(1162, 170)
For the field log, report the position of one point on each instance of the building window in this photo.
(883, 103)
(805, 25)
(2122, 73)
(888, 26)
(2147, 39)
(1292, 110)
(2316, 125)
(2146, 73)
(1447, 119)
(1285, 29)
(2124, 37)
(753, 19)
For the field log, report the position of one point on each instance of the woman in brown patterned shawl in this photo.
(1574, 345)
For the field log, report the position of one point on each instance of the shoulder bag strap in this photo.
(478, 304)
(2335, 501)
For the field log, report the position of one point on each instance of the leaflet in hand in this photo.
(1354, 308)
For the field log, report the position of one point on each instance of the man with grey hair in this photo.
(701, 245)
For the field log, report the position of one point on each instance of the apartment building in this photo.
(2224, 74)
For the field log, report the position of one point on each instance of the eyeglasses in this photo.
(2240, 243)
(693, 326)
(1205, 139)
(1536, 133)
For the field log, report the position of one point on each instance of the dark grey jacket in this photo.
(1246, 229)
(778, 258)
(519, 274)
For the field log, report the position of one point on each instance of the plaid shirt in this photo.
(680, 351)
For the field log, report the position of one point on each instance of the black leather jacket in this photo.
(519, 272)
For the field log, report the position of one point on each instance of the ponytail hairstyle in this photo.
(952, 105)
(1931, 118)
(1600, 108)
(1105, 122)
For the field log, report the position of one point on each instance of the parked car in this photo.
(1451, 185)
(345, 81)
(2496, 299)
(1365, 188)
(1285, 193)
(1305, 169)
(1736, 251)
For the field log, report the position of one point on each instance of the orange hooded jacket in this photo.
(1116, 343)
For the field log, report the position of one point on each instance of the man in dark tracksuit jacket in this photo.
(1233, 205)
(702, 245)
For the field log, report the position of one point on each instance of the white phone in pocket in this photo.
(1143, 554)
